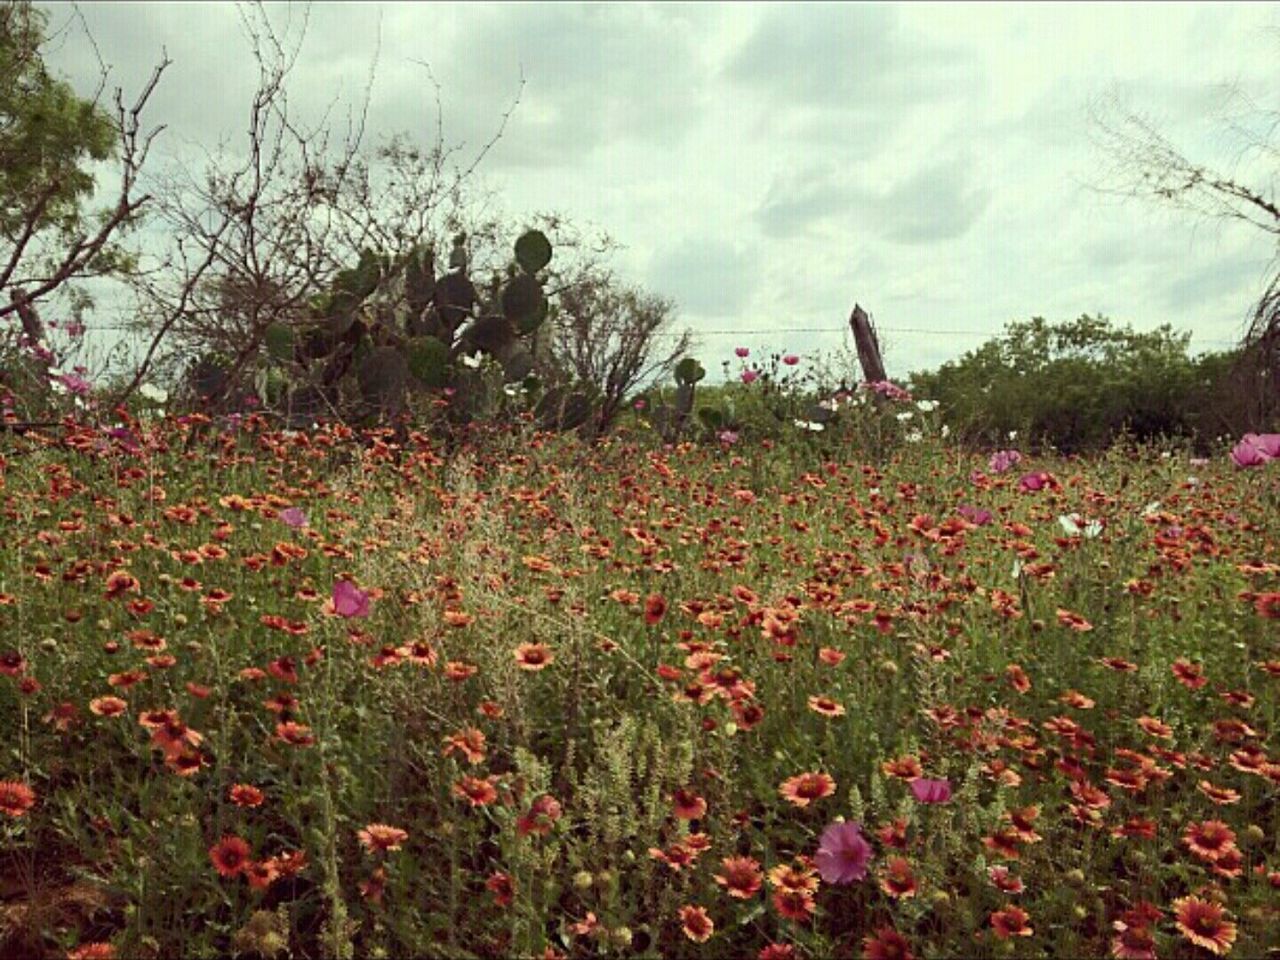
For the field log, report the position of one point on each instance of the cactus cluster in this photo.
(389, 328)
(669, 419)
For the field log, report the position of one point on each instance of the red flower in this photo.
(502, 887)
(533, 656)
(886, 944)
(696, 924)
(477, 792)
(543, 813)
(380, 838)
(688, 805)
(741, 877)
(803, 788)
(16, 798)
(1011, 922)
(230, 856)
(1203, 923)
(655, 608)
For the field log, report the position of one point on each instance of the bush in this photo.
(1078, 386)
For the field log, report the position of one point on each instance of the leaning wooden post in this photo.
(864, 336)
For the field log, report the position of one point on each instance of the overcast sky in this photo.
(768, 165)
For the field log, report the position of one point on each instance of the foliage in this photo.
(1076, 386)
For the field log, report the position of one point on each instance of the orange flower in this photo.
(502, 887)
(1190, 675)
(16, 798)
(108, 706)
(245, 795)
(688, 805)
(804, 788)
(897, 880)
(99, 950)
(379, 837)
(1011, 922)
(741, 877)
(477, 792)
(826, 706)
(230, 856)
(261, 874)
(1073, 620)
(469, 741)
(655, 608)
(903, 768)
(696, 924)
(1202, 922)
(1219, 795)
(1209, 840)
(297, 734)
(795, 905)
(533, 656)
(886, 944)
(1155, 727)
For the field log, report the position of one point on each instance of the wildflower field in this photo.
(319, 695)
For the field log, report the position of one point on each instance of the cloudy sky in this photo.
(768, 165)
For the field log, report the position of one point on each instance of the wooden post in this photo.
(864, 336)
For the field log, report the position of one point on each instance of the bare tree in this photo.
(265, 229)
(615, 337)
(1146, 164)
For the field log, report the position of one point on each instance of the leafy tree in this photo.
(49, 139)
(1075, 386)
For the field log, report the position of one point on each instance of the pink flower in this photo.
(742, 352)
(790, 359)
(1032, 482)
(931, 791)
(727, 437)
(293, 517)
(843, 854)
(639, 404)
(979, 517)
(349, 600)
(75, 384)
(1268, 444)
(749, 376)
(1003, 460)
(1246, 454)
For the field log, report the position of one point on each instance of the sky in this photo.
(767, 165)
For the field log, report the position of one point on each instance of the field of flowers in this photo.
(276, 694)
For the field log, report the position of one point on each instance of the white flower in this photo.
(946, 431)
(915, 436)
(1151, 509)
(153, 393)
(511, 389)
(809, 425)
(833, 404)
(472, 361)
(926, 406)
(1013, 434)
(1017, 569)
(905, 415)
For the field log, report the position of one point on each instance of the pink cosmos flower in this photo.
(790, 359)
(1245, 454)
(293, 517)
(742, 353)
(1003, 460)
(931, 791)
(749, 376)
(843, 853)
(727, 437)
(349, 600)
(1032, 482)
(979, 517)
